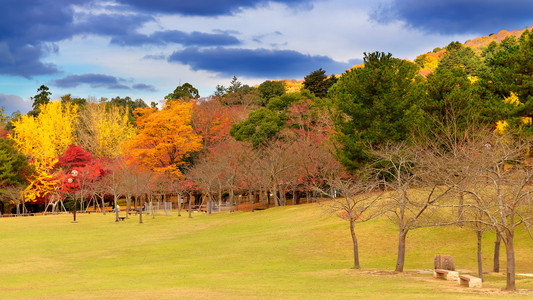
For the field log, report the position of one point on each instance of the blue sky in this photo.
(144, 49)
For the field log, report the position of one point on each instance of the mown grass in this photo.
(294, 252)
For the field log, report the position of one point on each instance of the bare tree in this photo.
(275, 160)
(111, 183)
(356, 203)
(204, 176)
(407, 207)
(500, 189)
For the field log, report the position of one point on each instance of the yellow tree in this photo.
(49, 134)
(103, 129)
(42, 182)
(165, 137)
(43, 139)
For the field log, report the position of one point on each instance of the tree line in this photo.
(449, 147)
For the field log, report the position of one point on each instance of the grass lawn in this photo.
(294, 252)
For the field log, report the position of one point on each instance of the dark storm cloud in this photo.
(99, 81)
(178, 37)
(257, 63)
(460, 16)
(111, 24)
(205, 7)
(27, 30)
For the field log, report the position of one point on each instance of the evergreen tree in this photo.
(269, 89)
(375, 105)
(13, 164)
(261, 126)
(185, 91)
(318, 83)
(43, 96)
(459, 56)
(509, 81)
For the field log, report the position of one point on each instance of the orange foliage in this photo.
(165, 137)
(478, 43)
(212, 121)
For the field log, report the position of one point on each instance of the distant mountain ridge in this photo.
(430, 60)
(480, 42)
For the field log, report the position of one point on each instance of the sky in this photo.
(145, 49)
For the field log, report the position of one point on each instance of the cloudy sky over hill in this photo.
(144, 49)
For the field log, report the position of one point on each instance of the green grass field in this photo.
(294, 252)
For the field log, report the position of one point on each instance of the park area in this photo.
(290, 252)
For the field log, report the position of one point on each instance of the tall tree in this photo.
(357, 202)
(511, 74)
(374, 104)
(103, 129)
(42, 97)
(165, 137)
(411, 202)
(499, 179)
(212, 121)
(47, 135)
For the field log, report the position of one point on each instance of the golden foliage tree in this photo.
(42, 182)
(44, 138)
(165, 137)
(49, 134)
(103, 129)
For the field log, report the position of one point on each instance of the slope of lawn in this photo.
(294, 252)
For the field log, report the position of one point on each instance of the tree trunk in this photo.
(180, 196)
(251, 198)
(152, 207)
(355, 248)
(497, 253)
(164, 198)
(209, 201)
(140, 210)
(219, 200)
(262, 198)
(511, 270)
(479, 235)
(115, 207)
(103, 204)
(128, 203)
(275, 193)
(460, 209)
(231, 199)
(190, 206)
(401, 251)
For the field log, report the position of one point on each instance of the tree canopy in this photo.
(374, 104)
(185, 92)
(318, 83)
